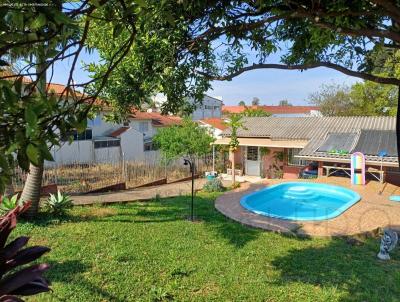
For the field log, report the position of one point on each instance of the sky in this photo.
(269, 85)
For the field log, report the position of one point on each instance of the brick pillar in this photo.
(320, 169)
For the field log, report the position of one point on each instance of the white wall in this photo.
(136, 125)
(77, 151)
(132, 144)
(102, 128)
(107, 155)
(204, 111)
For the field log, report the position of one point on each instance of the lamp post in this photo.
(191, 165)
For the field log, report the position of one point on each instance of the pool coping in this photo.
(366, 216)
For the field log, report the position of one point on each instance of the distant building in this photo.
(277, 111)
(215, 125)
(210, 107)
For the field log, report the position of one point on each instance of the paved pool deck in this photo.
(372, 212)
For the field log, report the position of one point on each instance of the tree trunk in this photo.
(233, 169)
(398, 125)
(33, 184)
(31, 191)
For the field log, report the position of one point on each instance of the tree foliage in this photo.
(253, 112)
(186, 140)
(242, 103)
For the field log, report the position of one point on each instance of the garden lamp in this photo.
(191, 165)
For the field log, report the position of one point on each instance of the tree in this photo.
(368, 99)
(234, 123)
(186, 140)
(332, 99)
(255, 101)
(251, 112)
(285, 103)
(241, 103)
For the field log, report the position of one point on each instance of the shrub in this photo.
(58, 204)
(27, 280)
(8, 203)
(213, 185)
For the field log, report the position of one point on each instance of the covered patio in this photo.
(266, 158)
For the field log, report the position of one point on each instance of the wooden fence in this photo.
(86, 177)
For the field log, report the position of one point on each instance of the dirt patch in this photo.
(98, 212)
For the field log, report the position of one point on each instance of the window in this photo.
(149, 146)
(208, 107)
(293, 161)
(216, 107)
(252, 153)
(85, 135)
(106, 144)
(143, 126)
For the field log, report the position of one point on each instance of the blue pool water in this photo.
(300, 201)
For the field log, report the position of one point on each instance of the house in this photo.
(278, 111)
(210, 107)
(215, 125)
(112, 142)
(283, 146)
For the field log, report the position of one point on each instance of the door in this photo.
(253, 164)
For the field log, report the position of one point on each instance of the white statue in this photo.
(388, 243)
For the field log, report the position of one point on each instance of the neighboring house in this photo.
(215, 125)
(283, 146)
(112, 142)
(210, 107)
(278, 111)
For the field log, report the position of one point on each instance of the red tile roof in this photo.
(215, 122)
(271, 109)
(157, 119)
(119, 131)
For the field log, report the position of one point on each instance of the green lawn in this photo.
(149, 252)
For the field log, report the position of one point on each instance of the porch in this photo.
(266, 158)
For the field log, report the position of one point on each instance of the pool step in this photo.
(303, 194)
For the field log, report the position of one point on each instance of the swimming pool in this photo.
(301, 201)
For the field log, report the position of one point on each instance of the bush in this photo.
(214, 185)
(58, 204)
(8, 203)
(16, 278)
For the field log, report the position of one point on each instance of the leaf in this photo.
(45, 152)
(39, 21)
(117, 30)
(141, 3)
(18, 85)
(33, 154)
(31, 117)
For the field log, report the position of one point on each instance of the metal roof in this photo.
(310, 127)
(339, 141)
(317, 130)
(371, 142)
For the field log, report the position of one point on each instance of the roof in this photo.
(317, 131)
(272, 109)
(157, 119)
(371, 142)
(217, 123)
(119, 131)
(339, 141)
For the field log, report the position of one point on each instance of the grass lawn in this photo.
(149, 252)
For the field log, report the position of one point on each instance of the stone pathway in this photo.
(373, 211)
(145, 193)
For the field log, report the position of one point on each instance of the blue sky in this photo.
(269, 85)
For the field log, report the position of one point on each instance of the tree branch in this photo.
(361, 75)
